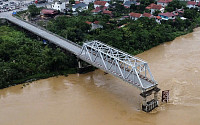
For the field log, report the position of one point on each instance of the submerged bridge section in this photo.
(111, 60)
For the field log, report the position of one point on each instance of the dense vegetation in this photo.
(134, 37)
(23, 58)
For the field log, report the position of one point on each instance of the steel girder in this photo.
(131, 69)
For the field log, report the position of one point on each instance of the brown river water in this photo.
(98, 99)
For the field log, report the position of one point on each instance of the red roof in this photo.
(191, 3)
(77, 2)
(88, 22)
(96, 10)
(138, 15)
(147, 15)
(168, 14)
(154, 6)
(107, 12)
(158, 17)
(102, 3)
(96, 22)
(164, 1)
(49, 11)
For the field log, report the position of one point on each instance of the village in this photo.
(155, 10)
(140, 24)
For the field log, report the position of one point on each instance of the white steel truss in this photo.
(131, 69)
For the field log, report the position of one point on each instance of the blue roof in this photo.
(128, 3)
(79, 5)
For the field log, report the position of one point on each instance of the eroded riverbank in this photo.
(95, 98)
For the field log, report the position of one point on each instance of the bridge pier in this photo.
(79, 64)
(84, 67)
(148, 106)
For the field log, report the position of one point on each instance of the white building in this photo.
(61, 6)
(88, 1)
(101, 3)
(80, 7)
(191, 4)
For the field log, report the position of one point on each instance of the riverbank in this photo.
(27, 59)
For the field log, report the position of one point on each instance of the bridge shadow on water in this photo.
(114, 88)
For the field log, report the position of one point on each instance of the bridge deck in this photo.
(75, 49)
(53, 38)
(99, 64)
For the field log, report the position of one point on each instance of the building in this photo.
(135, 16)
(107, 12)
(80, 7)
(100, 4)
(88, 1)
(158, 19)
(163, 3)
(49, 12)
(147, 15)
(191, 4)
(153, 7)
(166, 16)
(128, 4)
(60, 6)
(95, 25)
(98, 10)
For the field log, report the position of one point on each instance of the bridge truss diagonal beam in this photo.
(118, 63)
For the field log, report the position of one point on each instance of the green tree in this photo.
(175, 4)
(33, 10)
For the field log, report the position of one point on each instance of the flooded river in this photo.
(98, 99)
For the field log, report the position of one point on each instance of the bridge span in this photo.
(130, 69)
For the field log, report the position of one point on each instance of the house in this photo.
(88, 1)
(98, 9)
(127, 4)
(134, 16)
(153, 7)
(95, 25)
(107, 12)
(166, 16)
(60, 6)
(100, 4)
(163, 3)
(179, 12)
(80, 7)
(48, 12)
(191, 4)
(158, 19)
(147, 15)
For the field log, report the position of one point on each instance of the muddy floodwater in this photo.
(98, 99)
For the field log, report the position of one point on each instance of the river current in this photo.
(96, 98)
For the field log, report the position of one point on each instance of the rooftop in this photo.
(164, 1)
(102, 3)
(154, 6)
(49, 11)
(167, 14)
(79, 5)
(147, 15)
(191, 3)
(135, 14)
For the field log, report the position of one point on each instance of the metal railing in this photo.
(42, 28)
